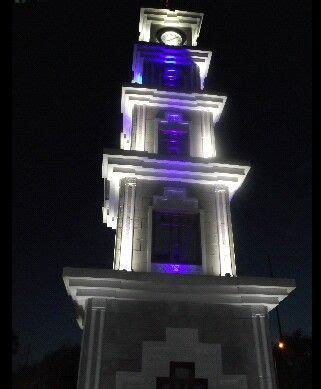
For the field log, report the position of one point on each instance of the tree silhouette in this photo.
(57, 370)
(294, 362)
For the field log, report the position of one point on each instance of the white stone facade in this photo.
(152, 18)
(213, 203)
(181, 344)
(141, 108)
(136, 319)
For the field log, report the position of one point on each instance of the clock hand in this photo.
(175, 37)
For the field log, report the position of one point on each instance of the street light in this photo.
(281, 345)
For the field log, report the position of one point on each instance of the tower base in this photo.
(138, 326)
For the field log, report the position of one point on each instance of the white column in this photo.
(149, 237)
(203, 243)
(90, 349)
(126, 248)
(92, 345)
(267, 361)
(258, 350)
(140, 128)
(102, 312)
(223, 225)
(208, 150)
(263, 352)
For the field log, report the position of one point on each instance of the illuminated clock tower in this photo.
(173, 310)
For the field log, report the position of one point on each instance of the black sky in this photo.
(69, 61)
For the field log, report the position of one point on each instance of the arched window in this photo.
(176, 238)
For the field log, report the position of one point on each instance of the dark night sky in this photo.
(68, 64)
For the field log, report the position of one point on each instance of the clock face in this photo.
(171, 37)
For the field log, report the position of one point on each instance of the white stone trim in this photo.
(82, 325)
(269, 378)
(181, 344)
(208, 147)
(126, 249)
(99, 348)
(169, 18)
(133, 96)
(150, 168)
(149, 237)
(83, 284)
(139, 143)
(92, 345)
(175, 198)
(264, 361)
(223, 231)
(258, 351)
(203, 242)
(90, 350)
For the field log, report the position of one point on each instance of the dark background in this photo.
(69, 61)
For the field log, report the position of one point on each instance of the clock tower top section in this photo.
(173, 28)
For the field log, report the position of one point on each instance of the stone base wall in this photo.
(120, 336)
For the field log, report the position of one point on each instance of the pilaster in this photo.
(126, 247)
(92, 345)
(226, 251)
(139, 128)
(208, 146)
(264, 357)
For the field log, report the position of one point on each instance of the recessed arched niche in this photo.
(175, 233)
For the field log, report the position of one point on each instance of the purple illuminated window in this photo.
(173, 135)
(173, 141)
(171, 71)
(176, 238)
(172, 76)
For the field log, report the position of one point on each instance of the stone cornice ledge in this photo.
(83, 283)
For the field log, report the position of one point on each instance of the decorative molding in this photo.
(222, 203)
(263, 355)
(92, 345)
(169, 18)
(175, 198)
(134, 96)
(181, 345)
(150, 168)
(126, 249)
(83, 284)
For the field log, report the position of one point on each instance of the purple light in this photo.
(174, 268)
(173, 117)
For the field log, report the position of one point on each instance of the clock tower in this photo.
(172, 312)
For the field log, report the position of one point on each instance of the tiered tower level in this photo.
(173, 301)
(167, 195)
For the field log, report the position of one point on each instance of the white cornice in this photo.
(125, 164)
(82, 284)
(169, 18)
(132, 96)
